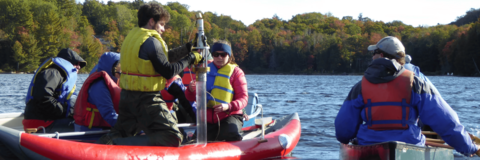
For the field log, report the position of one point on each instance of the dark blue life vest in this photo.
(68, 86)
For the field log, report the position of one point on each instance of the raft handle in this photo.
(262, 140)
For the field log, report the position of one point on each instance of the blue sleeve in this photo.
(99, 95)
(349, 118)
(178, 82)
(435, 112)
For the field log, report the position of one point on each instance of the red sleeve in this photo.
(240, 91)
(191, 96)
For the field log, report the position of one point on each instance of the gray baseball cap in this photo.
(391, 45)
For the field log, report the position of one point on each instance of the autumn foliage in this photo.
(309, 43)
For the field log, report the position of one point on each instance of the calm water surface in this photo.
(315, 98)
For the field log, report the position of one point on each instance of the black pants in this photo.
(230, 129)
(148, 112)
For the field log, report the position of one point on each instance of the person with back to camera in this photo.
(49, 94)
(227, 95)
(97, 102)
(145, 69)
(386, 104)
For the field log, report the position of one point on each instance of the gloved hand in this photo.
(189, 46)
(195, 58)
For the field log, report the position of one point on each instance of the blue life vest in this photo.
(68, 86)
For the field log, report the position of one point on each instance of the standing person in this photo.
(386, 104)
(97, 103)
(145, 69)
(228, 95)
(48, 97)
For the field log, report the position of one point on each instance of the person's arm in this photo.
(177, 90)
(43, 93)
(349, 117)
(99, 95)
(190, 92)
(240, 90)
(152, 50)
(435, 112)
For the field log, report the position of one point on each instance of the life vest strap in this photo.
(404, 111)
(91, 117)
(223, 88)
(403, 104)
(219, 74)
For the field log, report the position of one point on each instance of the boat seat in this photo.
(250, 108)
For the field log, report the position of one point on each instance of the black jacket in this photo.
(44, 105)
(178, 58)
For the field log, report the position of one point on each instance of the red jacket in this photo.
(240, 96)
(167, 97)
(85, 112)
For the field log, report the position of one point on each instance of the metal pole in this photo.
(201, 72)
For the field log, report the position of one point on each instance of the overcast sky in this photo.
(411, 12)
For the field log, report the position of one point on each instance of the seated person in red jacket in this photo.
(228, 95)
(97, 103)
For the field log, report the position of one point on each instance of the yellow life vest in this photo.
(138, 74)
(218, 84)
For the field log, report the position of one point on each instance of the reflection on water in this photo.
(317, 100)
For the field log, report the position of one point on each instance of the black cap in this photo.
(72, 57)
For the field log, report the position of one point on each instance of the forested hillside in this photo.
(309, 43)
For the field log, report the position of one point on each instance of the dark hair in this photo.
(152, 10)
(232, 58)
(400, 60)
(114, 70)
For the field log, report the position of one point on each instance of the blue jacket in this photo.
(428, 107)
(99, 95)
(416, 70)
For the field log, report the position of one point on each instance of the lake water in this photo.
(316, 98)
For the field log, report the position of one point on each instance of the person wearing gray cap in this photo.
(48, 98)
(389, 100)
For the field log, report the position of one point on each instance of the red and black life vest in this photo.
(167, 97)
(87, 114)
(387, 105)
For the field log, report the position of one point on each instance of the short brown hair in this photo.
(400, 54)
(151, 10)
